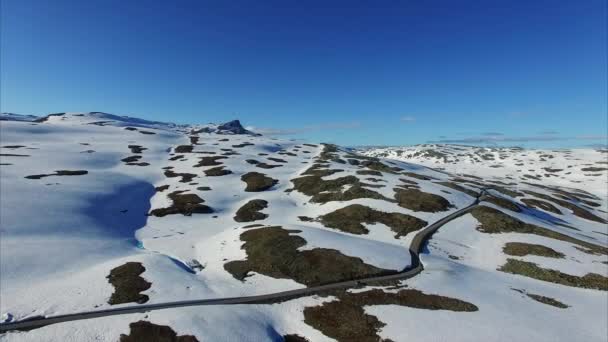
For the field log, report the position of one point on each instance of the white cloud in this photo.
(408, 119)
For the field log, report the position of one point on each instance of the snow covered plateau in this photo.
(99, 211)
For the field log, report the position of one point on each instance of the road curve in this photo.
(415, 268)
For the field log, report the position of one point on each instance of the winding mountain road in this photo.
(415, 268)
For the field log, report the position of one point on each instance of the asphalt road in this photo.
(415, 268)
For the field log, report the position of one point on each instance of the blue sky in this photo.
(354, 73)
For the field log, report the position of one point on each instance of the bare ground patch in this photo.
(128, 284)
(210, 161)
(532, 270)
(417, 200)
(144, 331)
(217, 171)
(60, 173)
(349, 219)
(250, 211)
(273, 251)
(186, 177)
(185, 204)
(494, 221)
(346, 320)
(523, 249)
(257, 181)
(538, 204)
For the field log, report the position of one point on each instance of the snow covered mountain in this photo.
(100, 211)
(585, 167)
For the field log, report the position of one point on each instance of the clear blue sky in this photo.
(369, 72)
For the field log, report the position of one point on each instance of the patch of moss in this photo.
(379, 166)
(494, 221)
(185, 204)
(503, 203)
(532, 270)
(417, 200)
(183, 149)
(250, 211)
(162, 188)
(217, 171)
(547, 300)
(294, 338)
(141, 331)
(323, 191)
(242, 145)
(273, 251)
(257, 182)
(128, 284)
(369, 173)
(538, 204)
(349, 219)
(576, 210)
(418, 176)
(267, 166)
(523, 249)
(186, 177)
(60, 173)
(345, 319)
(460, 188)
(210, 161)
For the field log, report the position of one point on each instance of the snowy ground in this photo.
(62, 235)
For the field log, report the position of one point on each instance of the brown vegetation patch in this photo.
(217, 171)
(349, 219)
(378, 166)
(144, 331)
(210, 161)
(594, 169)
(185, 204)
(272, 251)
(136, 148)
(203, 188)
(576, 210)
(523, 249)
(529, 269)
(162, 188)
(503, 202)
(538, 204)
(131, 159)
(128, 284)
(13, 155)
(460, 188)
(418, 176)
(277, 160)
(60, 173)
(242, 145)
(369, 173)
(346, 320)
(494, 221)
(186, 177)
(176, 157)
(417, 200)
(294, 338)
(183, 149)
(323, 191)
(267, 166)
(257, 181)
(250, 211)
